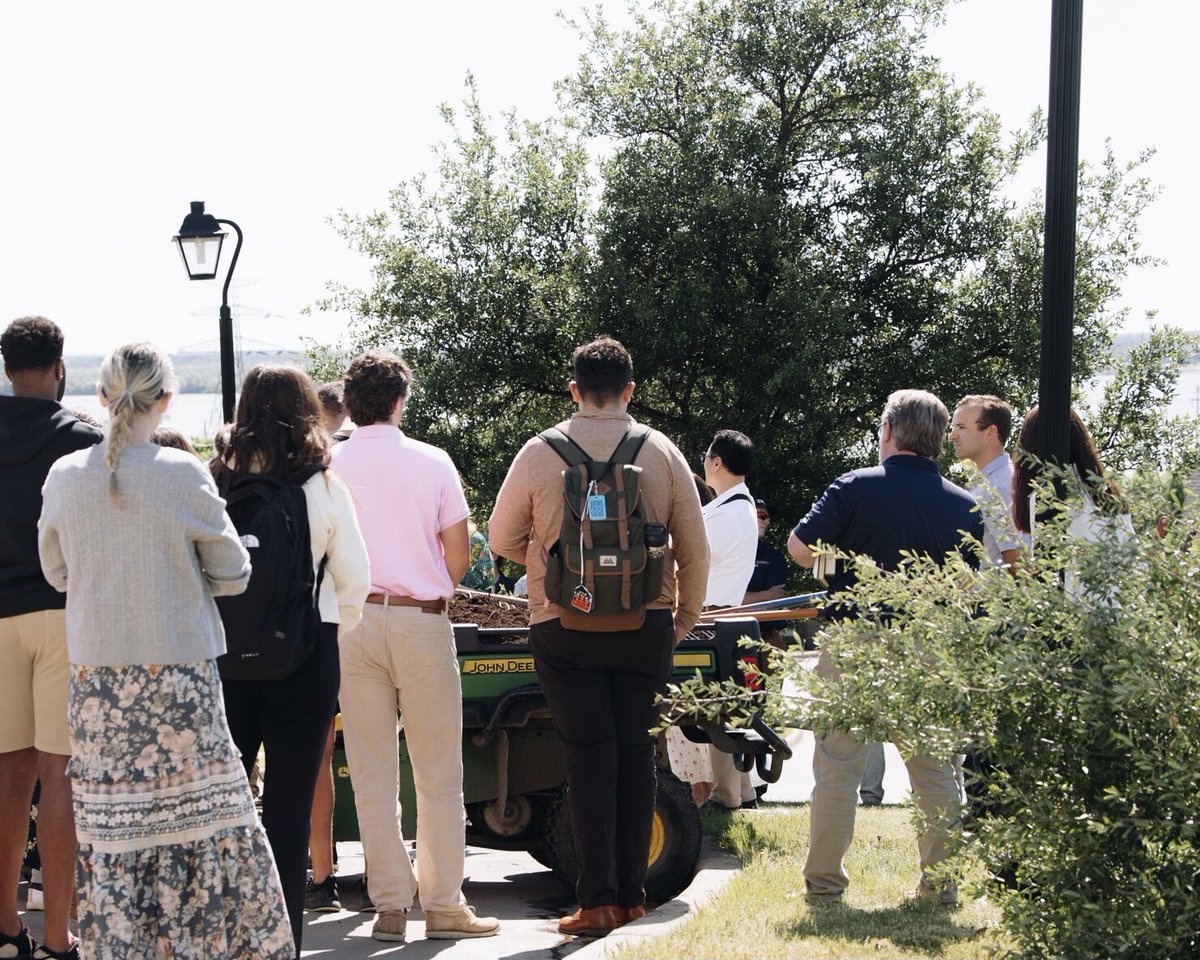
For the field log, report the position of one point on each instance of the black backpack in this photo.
(608, 561)
(271, 628)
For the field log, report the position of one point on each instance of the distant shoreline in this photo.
(197, 372)
(191, 388)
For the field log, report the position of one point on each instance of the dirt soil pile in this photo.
(487, 611)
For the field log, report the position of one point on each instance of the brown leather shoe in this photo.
(592, 921)
(633, 913)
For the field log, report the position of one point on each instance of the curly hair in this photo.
(331, 396)
(373, 384)
(31, 343)
(277, 429)
(175, 439)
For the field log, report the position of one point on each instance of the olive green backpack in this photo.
(608, 561)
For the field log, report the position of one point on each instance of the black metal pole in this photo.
(228, 372)
(228, 387)
(1058, 264)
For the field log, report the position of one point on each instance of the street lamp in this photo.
(1058, 264)
(200, 239)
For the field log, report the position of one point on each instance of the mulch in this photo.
(487, 611)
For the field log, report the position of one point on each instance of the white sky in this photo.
(116, 115)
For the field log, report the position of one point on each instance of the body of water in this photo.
(1187, 394)
(193, 414)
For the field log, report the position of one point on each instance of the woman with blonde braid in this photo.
(172, 860)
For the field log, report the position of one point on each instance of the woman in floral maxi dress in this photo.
(172, 860)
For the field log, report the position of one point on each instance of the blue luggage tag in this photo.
(597, 508)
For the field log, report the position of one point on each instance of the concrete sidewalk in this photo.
(526, 897)
(529, 900)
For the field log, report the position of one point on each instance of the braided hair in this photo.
(132, 379)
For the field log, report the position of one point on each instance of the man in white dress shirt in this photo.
(979, 432)
(731, 522)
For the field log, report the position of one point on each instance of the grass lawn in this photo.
(762, 915)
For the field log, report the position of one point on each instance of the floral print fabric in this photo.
(481, 570)
(172, 860)
(689, 761)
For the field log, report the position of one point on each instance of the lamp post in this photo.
(1058, 263)
(200, 239)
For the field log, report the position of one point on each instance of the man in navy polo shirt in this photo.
(904, 504)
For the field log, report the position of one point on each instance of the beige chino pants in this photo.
(838, 763)
(402, 657)
(731, 787)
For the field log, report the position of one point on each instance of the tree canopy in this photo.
(784, 208)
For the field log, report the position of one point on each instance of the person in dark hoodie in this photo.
(34, 432)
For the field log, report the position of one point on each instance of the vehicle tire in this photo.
(531, 835)
(540, 851)
(674, 840)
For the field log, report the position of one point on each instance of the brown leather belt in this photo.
(425, 606)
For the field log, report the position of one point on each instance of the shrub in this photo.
(1087, 699)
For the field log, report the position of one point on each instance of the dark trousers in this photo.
(289, 718)
(601, 689)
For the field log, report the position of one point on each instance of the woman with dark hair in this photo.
(277, 434)
(170, 437)
(1099, 492)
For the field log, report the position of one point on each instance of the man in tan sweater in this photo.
(601, 685)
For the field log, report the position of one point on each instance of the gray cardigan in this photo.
(139, 578)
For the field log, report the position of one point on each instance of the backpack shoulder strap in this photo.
(631, 444)
(300, 506)
(571, 452)
(735, 499)
(309, 472)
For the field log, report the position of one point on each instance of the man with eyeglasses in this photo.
(731, 523)
(729, 519)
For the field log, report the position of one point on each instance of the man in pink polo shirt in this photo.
(414, 519)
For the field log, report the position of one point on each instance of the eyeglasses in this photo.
(707, 456)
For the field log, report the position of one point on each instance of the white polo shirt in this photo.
(732, 530)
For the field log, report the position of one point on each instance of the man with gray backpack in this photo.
(605, 516)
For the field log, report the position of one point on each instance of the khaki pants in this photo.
(401, 656)
(838, 763)
(731, 787)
